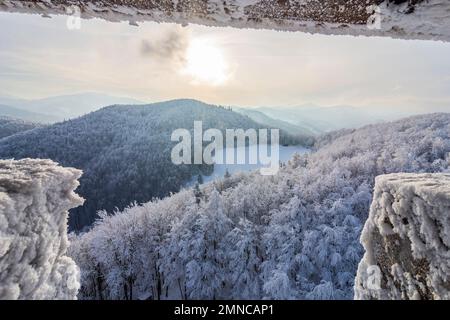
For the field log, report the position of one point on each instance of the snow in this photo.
(429, 20)
(407, 235)
(124, 151)
(294, 235)
(35, 196)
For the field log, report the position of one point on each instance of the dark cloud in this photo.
(171, 46)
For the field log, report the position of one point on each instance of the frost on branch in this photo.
(407, 239)
(35, 196)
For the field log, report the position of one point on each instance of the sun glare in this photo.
(205, 63)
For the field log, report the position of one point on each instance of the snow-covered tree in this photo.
(245, 255)
(289, 236)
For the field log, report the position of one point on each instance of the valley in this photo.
(124, 151)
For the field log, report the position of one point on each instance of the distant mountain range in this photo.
(59, 108)
(295, 235)
(124, 151)
(303, 120)
(17, 113)
(319, 119)
(273, 122)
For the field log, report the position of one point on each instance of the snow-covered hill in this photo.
(290, 236)
(124, 151)
(10, 126)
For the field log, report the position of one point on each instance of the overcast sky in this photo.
(41, 57)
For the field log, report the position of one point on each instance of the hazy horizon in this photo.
(305, 105)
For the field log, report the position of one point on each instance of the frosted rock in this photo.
(35, 196)
(407, 239)
(416, 19)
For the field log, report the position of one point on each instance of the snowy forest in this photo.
(294, 235)
(10, 126)
(124, 151)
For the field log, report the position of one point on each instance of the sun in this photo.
(205, 63)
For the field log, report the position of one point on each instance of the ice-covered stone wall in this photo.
(35, 196)
(407, 239)
(407, 19)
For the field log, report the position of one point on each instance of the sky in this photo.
(41, 57)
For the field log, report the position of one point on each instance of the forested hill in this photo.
(10, 126)
(124, 151)
(294, 235)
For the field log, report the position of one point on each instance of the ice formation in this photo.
(406, 19)
(407, 239)
(35, 196)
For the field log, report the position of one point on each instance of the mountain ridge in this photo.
(124, 151)
(69, 106)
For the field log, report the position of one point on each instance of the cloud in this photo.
(171, 46)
